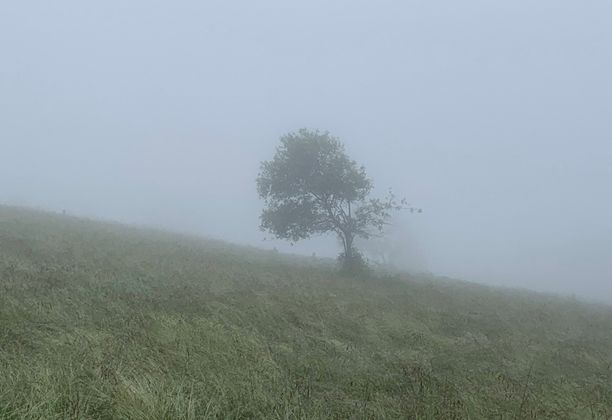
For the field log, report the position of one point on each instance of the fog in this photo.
(494, 117)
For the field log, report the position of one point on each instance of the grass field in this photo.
(103, 321)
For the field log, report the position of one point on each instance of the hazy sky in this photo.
(494, 116)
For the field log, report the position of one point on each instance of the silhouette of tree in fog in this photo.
(312, 187)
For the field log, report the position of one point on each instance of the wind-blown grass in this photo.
(103, 321)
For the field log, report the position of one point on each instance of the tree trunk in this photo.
(348, 249)
(349, 246)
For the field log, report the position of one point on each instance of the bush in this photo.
(356, 264)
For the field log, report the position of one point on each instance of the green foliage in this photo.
(102, 321)
(312, 187)
(356, 264)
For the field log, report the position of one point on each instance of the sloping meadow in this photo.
(103, 321)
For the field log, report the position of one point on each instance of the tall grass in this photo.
(102, 321)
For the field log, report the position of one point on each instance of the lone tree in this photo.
(312, 187)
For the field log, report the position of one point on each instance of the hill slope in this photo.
(105, 321)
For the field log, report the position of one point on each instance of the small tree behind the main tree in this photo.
(312, 187)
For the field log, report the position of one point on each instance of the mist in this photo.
(494, 117)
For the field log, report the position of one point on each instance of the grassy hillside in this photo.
(104, 321)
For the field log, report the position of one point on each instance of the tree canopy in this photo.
(312, 187)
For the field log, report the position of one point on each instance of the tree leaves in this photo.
(311, 186)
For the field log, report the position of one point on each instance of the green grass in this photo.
(103, 321)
